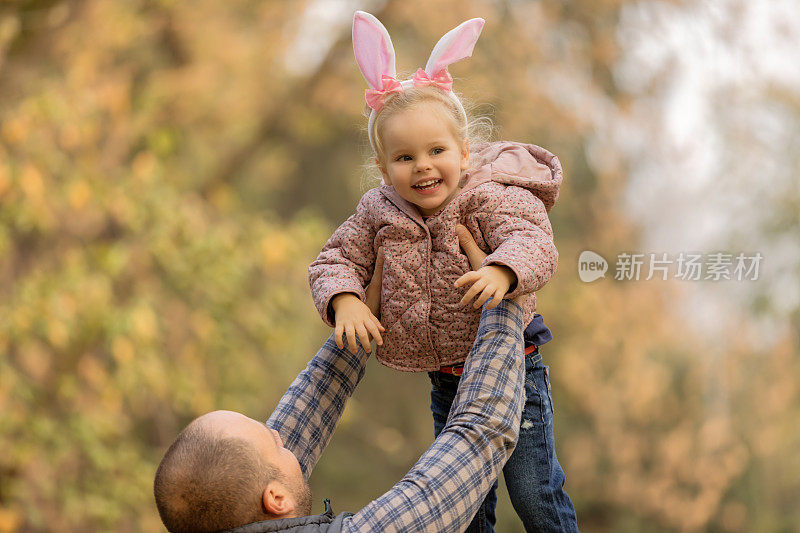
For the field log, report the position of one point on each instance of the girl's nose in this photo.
(423, 164)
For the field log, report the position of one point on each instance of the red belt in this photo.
(458, 368)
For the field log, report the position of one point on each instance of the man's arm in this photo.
(310, 409)
(443, 490)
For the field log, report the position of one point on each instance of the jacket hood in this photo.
(511, 163)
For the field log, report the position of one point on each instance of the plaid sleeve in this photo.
(443, 491)
(310, 409)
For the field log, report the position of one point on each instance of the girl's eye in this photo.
(404, 158)
(438, 150)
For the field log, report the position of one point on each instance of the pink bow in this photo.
(441, 79)
(376, 97)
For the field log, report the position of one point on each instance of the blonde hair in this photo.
(476, 130)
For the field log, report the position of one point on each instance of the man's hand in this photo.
(374, 287)
(491, 281)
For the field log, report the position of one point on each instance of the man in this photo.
(227, 471)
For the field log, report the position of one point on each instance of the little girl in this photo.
(434, 181)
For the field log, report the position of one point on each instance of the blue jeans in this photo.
(534, 479)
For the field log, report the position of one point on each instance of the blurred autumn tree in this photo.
(166, 175)
(137, 291)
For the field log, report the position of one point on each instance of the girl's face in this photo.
(423, 159)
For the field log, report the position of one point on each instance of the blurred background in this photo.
(169, 169)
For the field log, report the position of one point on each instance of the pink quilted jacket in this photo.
(504, 200)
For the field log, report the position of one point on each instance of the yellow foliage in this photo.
(10, 520)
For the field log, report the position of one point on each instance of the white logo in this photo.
(591, 266)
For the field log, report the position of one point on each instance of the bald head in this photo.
(214, 476)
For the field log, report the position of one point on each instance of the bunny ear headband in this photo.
(375, 57)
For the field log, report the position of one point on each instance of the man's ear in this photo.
(277, 501)
(386, 179)
(465, 155)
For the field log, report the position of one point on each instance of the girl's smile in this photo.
(427, 186)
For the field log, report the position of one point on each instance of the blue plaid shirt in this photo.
(443, 491)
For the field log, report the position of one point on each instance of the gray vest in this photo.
(326, 522)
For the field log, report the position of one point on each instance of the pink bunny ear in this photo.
(373, 48)
(455, 45)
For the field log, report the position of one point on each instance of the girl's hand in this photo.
(353, 317)
(476, 256)
(491, 281)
